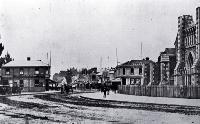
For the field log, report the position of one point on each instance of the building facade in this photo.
(29, 75)
(167, 63)
(187, 44)
(136, 72)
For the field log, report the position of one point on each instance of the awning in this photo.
(116, 80)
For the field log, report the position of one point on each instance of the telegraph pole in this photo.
(117, 57)
(141, 51)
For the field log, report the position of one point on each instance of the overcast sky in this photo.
(79, 32)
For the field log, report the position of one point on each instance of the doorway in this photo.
(123, 81)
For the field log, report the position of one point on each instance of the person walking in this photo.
(104, 90)
(108, 90)
(62, 89)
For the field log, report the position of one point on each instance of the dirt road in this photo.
(56, 108)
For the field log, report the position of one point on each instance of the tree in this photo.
(66, 74)
(84, 71)
(1, 48)
(7, 58)
(70, 73)
(92, 70)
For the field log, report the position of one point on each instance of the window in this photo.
(36, 70)
(132, 71)
(123, 71)
(166, 66)
(132, 81)
(7, 71)
(21, 71)
(5, 82)
(21, 83)
(140, 71)
(37, 83)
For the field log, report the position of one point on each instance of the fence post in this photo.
(161, 91)
(197, 92)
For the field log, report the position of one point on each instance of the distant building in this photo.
(112, 78)
(167, 63)
(157, 73)
(111, 74)
(93, 79)
(187, 44)
(92, 73)
(29, 75)
(103, 76)
(136, 72)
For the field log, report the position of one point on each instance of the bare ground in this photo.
(59, 108)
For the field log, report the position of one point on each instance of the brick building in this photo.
(187, 44)
(136, 72)
(30, 75)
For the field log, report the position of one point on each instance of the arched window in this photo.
(190, 60)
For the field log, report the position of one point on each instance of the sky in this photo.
(81, 32)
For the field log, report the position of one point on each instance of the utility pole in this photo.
(117, 57)
(108, 61)
(101, 63)
(50, 58)
(141, 51)
(47, 57)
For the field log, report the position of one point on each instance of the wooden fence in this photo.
(33, 89)
(161, 91)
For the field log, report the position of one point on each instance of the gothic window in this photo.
(190, 60)
(140, 71)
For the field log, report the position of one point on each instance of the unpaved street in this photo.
(56, 108)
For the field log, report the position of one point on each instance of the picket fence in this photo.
(161, 91)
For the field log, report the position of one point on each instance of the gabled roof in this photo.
(31, 63)
(135, 62)
(169, 51)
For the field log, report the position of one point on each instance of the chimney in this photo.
(28, 58)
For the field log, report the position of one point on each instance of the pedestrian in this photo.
(108, 90)
(61, 88)
(104, 90)
(66, 88)
(71, 87)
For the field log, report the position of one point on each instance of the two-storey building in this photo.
(29, 75)
(136, 72)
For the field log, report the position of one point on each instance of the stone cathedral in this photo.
(187, 45)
